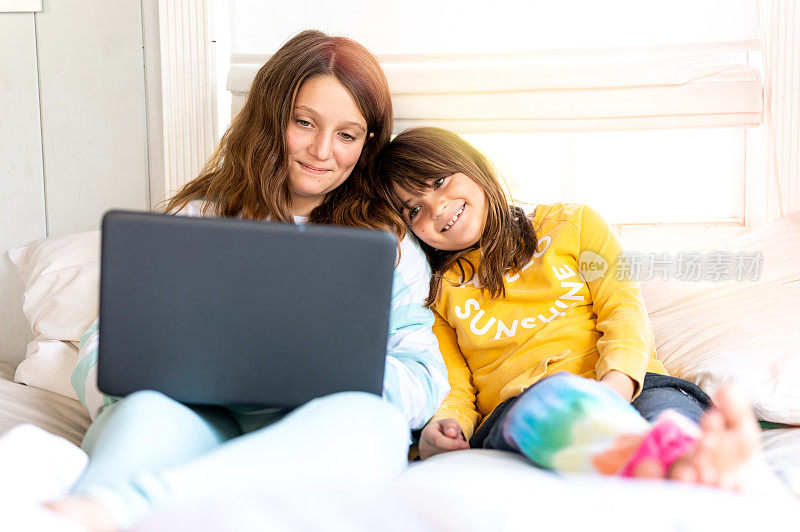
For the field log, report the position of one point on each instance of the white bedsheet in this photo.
(481, 490)
(67, 418)
(54, 413)
(476, 490)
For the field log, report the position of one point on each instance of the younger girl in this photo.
(523, 305)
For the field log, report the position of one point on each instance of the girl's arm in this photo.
(415, 379)
(620, 383)
(84, 376)
(460, 402)
(627, 342)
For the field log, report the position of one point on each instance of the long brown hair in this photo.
(417, 157)
(247, 175)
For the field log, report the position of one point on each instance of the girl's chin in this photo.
(310, 188)
(465, 239)
(457, 244)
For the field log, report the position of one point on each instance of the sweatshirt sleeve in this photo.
(627, 342)
(84, 375)
(460, 402)
(415, 379)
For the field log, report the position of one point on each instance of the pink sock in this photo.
(671, 437)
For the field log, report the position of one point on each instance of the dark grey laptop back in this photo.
(228, 311)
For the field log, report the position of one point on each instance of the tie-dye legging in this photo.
(569, 423)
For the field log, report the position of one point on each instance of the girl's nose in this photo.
(321, 147)
(440, 208)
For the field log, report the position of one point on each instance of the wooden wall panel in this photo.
(93, 111)
(22, 208)
(73, 137)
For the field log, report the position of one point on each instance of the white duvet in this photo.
(482, 491)
(472, 490)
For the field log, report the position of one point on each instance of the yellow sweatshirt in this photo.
(565, 311)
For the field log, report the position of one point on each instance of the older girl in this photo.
(301, 150)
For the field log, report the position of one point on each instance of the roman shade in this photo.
(653, 87)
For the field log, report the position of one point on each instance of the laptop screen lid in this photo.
(241, 312)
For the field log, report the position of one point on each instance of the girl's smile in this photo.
(324, 139)
(450, 215)
(312, 169)
(454, 219)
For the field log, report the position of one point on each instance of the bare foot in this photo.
(88, 512)
(648, 469)
(728, 452)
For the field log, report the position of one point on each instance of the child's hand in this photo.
(441, 436)
(620, 383)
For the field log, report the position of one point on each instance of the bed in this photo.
(467, 490)
(54, 413)
(709, 332)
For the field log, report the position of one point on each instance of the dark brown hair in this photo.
(247, 175)
(417, 157)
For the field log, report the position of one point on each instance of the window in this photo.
(643, 111)
(697, 174)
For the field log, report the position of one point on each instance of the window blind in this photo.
(654, 87)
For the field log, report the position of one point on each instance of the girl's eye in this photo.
(413, 211)
(303, 123)
(347, 136)
(438, 182)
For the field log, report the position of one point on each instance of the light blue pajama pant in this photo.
(148, 450)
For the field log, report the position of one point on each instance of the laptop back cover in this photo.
(229, 311)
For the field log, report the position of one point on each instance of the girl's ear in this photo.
(371, 135)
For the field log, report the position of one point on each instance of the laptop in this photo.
(240, 312)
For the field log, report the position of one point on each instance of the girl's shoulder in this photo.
(559, 217)
(412, 276)
(556, 212)
(197, 208)
(411, 259)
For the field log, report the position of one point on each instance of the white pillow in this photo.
(743, 332)
(61, 276)
(47, 365)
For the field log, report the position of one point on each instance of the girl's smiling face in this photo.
(325, 136)
(450, 215)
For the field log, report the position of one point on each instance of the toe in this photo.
(683, 471)
(649, 468)
(712, 421)
(734, 406)
(708, 474)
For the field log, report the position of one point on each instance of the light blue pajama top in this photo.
(415, 378)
